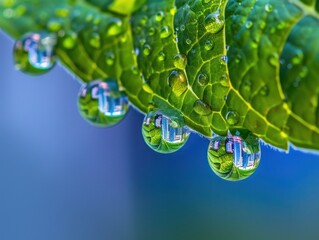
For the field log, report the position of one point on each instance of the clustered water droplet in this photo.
(34, 52)
(163, 134)
(234, 158)
(102, 103)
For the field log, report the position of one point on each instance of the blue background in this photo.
(62, 179)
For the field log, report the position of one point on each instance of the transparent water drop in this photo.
(202, 108)
(214, 22)
(159, 16)
(178, 82)
(165, 32)
(180, 61)
(188, 41)
(69, 40)
(269, 7)
(102, 103)
(143, 20)
(146, 50)
(234, 158)
(34, 53)
(264, 91)
(298, 57)
(163, 134)
(109, 58)
(249, 24)
(232, 118)
(224, 80)
(151, 31)
(202, 79)
(161, 56)
(115, 27)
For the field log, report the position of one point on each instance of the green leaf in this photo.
(220, 65)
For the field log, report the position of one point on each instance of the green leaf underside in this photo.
(270, 80)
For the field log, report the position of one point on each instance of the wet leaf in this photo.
(220, 65)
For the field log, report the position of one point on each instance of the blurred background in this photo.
(62, 179)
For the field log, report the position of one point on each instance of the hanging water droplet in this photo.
(214, 22)
(180, 61)
(165, 32)
(188, 41)
(102, 104)
(202, 108)
(163, 134)
(233, 158)
(34, 53)
(202, 79)
(178, 82)
(232, 118)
